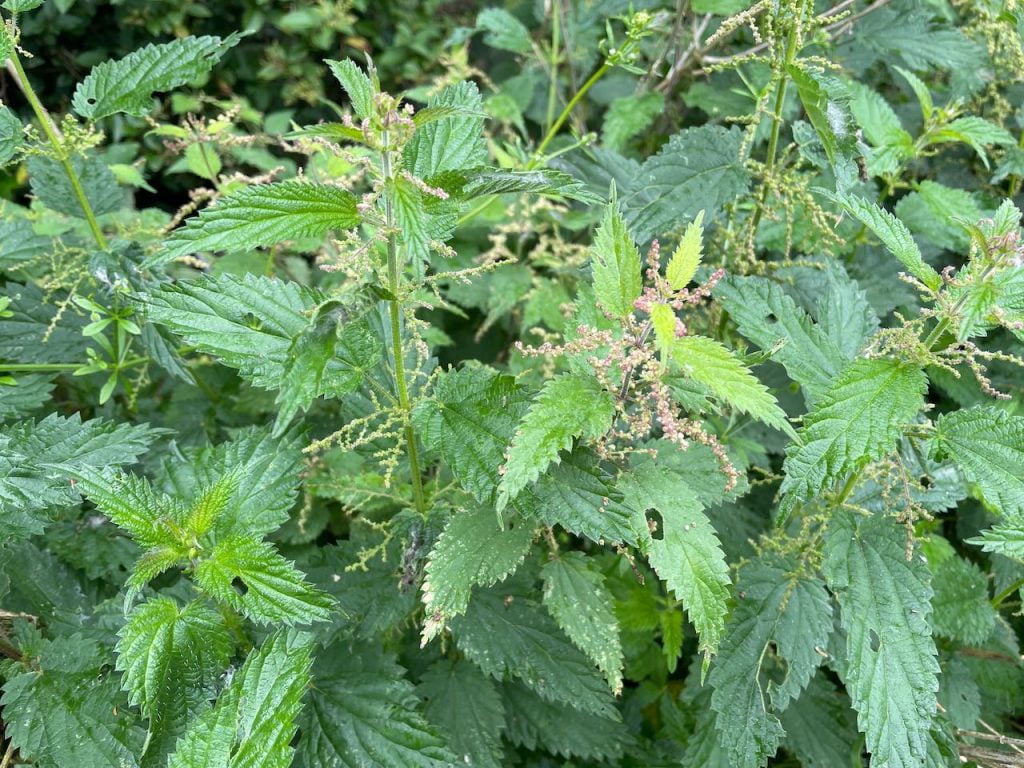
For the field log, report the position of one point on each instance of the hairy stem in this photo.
(395, 309)
(58, 148)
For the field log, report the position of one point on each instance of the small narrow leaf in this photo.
(616, 265)
(357, 85)
(686, 257)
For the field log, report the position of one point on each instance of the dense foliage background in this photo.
(556, 383)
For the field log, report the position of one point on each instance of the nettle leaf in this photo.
(857, 421)
(709, 363)
(251, 577)
(766, 315)
(891, 668)
(131, 504)
(576, 595)
(628, 116)
(781, 623)
(473, 549)
(697, 169)
(844, 312)
(894, 235)
(504, 31)
(357, 85)
(1003, 539)
(506, 632)
(616, 265)
(11, 136)
(538, 182)
(974, 131)
(50, 184)
(466, 707)
(19, 243)
(685, 551)
(568, 406)
(254, 720)
(687, 255)
(825, 101)
(27, 394)
(453, 143)
(535, 723)
(171, 658)
(962, 610)
(361, 711)
(127, 85)
(821, 730)
(265, 214)
(988, 445)
(933, 211)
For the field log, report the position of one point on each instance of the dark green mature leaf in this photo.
(575, 594)
(687, 553)
(767, 316)
(628, 116)
(891, 670)
(782, 619)
(254, 720)
(11, 135)
(26, 395)
(517, 637)
(466, 707)
(473, 549)
(825, 101)
(453, 143)
(1006, 540)
(361, 711)
(127, 85)
(857, 421)
(535, 723)
(988, 445)
(698, 169)
(616, 265)
(504, 31)
(844, 312)
(19, 243)
(539, 182)
(961, 606)
(251, 577)
(51, 185)
(568, 406)
(821, 730)
(265, 214)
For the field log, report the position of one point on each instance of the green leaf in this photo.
(686, 553)
(857, 421)
(576, 596)
(254, 720)
(885, 601)
(933, 211)
(506, 632)
(1005, 540)
(27, 394)
(474, 549)
(131, 504)
(357, 85)
(844, 312)
(251, 577)
(361, 711)
(961, 606)
(709, 363)
(616, 265)
(453, 143)
(265, 214)
(781, 623)
(686, 257)
(21, 6)
(569, 406)
(628, 116)
(821, 730)
(825, 101)
(535, 723)
(51, 185)
(974, 131)
(767, 316)
(11, 135)
(894, 235)
(988, 445)
(504, 31)
(697, 169)
(539, 182)
(127, 85)
(467, 708)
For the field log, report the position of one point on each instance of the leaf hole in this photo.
(875, 640)
(926, 482)
(239, 586)
(656, 525)
(771, 318)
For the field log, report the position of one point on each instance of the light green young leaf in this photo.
(265, 214)
(709, 363)
(472, 550)
(569, 406)
(987, 443)
(132, 504)
(616, 265)
(466, 707)
(251, 577)
(781, 623)
(857, 421)
(357, 85)
(361, 711)
(894, 235)
(127, 85)
(885, 600)
(506, 632)
(454, 143)
(575, 594)
(686, 257)
(685, 551)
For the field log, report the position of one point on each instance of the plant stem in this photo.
(553, 130)
(998, 599)
(556, 13)
(56, 367)
(395, 308)
(59, 149)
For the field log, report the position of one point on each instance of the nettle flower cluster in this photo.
(630, 353)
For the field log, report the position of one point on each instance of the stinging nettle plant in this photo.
(452, 435)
